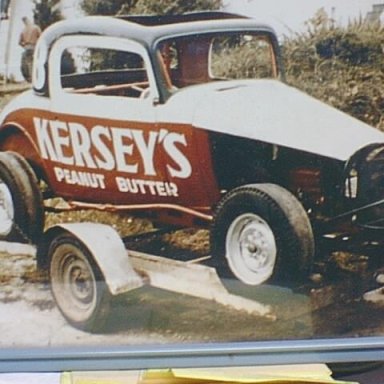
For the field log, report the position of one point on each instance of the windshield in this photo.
(198, 59)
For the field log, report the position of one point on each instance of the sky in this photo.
(287, 15)
(284, 15)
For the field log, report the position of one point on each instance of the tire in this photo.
(21, 201)
(77, 284)
(261, 233)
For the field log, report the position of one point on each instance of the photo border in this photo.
(47, 359)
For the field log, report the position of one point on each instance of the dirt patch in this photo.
(10, 90)
(330, 306)
(148, 315)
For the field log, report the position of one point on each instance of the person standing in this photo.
(4, 5)
(28, 39)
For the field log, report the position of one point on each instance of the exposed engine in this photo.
(364, 184)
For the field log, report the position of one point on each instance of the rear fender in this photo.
(15, 138)
(106, 248)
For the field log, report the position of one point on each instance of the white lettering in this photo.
(106, 148)
(60, 142)
(59, 174)
(83, 179)
(119, 137)
(81, 144)
(122, 184)
(43, 139)
(185, 169)
(160, 187)
(138, 186)
(151, 186)
(146, 150)
(106, 161)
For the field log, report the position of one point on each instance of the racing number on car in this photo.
(39, 72)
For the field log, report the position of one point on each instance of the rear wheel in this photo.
(77, 284)
(261, 232)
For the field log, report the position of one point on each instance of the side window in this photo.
(106, 72)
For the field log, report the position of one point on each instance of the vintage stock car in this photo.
(187, 118)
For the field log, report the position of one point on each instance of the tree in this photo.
(170, 7)
(100, 7)
(46, 12)
(158, 7)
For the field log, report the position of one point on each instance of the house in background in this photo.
(10, 29)
(376, 14)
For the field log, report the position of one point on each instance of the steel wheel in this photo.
(21, 202)
(7, 210)
(261, 233)
(77, 284)
(251, 249)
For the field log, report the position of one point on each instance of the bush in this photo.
(155, 7)
(46, 12)
(342, 66)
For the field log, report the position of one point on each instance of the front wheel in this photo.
(77, 284)
(261, 232)
(21, 202)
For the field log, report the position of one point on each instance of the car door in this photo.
(193, 172)
(100, 139)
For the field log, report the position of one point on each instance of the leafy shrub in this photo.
(241, 56)
(46, 12)
(342, 66)
(155, 7)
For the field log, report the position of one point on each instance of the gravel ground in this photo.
(29, 316)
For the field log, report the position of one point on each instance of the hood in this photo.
(273, 112)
